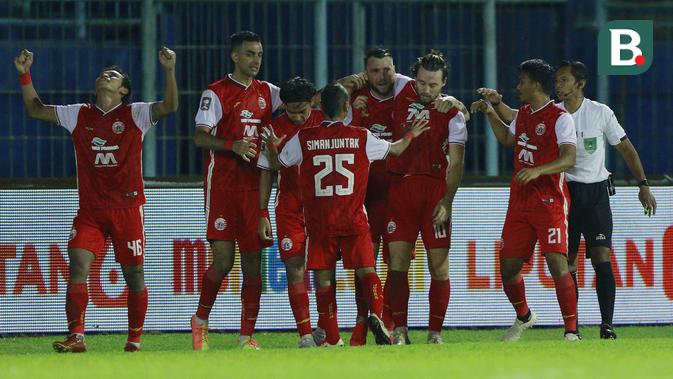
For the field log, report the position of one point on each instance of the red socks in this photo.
(299, 304)
(251, 292)
(76, 300)
(567, 299)
(137, 308)
(440, 290)
(516, 293)
(327, 312)
(399, 296)
(209, 288)
(387, 313)
(372, 293)
(360, 300)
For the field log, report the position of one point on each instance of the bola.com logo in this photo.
(625, 47)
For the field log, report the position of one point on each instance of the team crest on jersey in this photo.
(286, 244)
(540, 129)
(220, 224)
(391, 227)
(118, 127)
(261, 102)
(205, 103)
(73, 234)
(246, 114)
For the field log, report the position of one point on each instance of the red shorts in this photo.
(411, 203)
(291, 234)
(91, 227)
(324, 251)
(234, 216)
(546, 224)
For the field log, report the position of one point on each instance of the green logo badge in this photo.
(590, 144)
(625, 47)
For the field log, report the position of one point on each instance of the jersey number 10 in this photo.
(333, 163)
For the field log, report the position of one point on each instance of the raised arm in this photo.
(505, 113)
(500, 129)
(353, 82)
(169, 104)
(34, 106)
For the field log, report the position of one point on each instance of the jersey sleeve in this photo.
(275, 96)
(512, 125)
(142, 116)
(613, 131)
(67, 115)
(210, 109)
(565, 130)
(349, 115)
(291, 154)
(458, 129)
(377, 149)
(400, 82)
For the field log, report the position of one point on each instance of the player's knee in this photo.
(600, 254)
(135, 277)
(295, 274)
(557, 264)
(362, 271)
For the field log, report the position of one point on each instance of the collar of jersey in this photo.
(239, 83)
(542, 107)
(103, 112)
(328, 124)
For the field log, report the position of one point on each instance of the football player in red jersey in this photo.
(333, 162)
(107, 136)
(297, 95)
(228, 122)
(544, 141)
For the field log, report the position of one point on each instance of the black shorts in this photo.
(590, 216)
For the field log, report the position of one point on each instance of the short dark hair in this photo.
(577, 69)
(539, 71)
(237, 39)
(332, 99)
(297, 90)
(377, 52)
(126, 81)
(432, 61)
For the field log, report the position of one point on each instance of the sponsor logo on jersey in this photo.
(118, 127)
(286, 244)
(220, 224)
(105, 156)
(417, 111)
(205, 103)
(391, 227)
(261, 102)
(246, 114)
(526, 153)
(540, 129)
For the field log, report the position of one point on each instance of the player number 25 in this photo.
(330, 163)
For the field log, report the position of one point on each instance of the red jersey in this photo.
(333, 162)
(108, 150)
(288, 199)
(378, 118)
(426, 155)
(537, 137)
(232, 111)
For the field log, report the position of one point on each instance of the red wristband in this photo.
(25, 78)
(228, 145)
(408, 136)
(264, 213)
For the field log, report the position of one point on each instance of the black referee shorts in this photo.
(590, 216)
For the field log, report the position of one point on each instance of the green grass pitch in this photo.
(639, 352)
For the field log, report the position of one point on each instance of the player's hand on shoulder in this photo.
(167, 57)
(23, 61)
(443, 103)
(245, 148)
(481, 105)
(490, 94)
